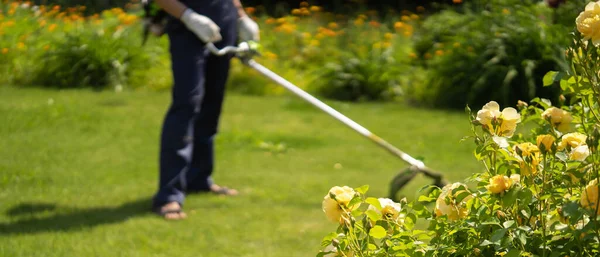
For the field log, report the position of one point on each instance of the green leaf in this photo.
(562, 156)
(362, 190)
(572, 211)
(426, 199)
(327, 239)
(356, 200)
(461, 196)
(513, 253)
(498, 235)
(510, 197)
(545, 103)
(486, 243)
(551, 77)
(377, 232)
(374, 202)
(525, 197)
(508, 223)
(410, 220)
(373, 215)
(522, 236)
(372, 247)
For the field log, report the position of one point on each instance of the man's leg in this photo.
(207, 125)
(188, 65)
(217, 72)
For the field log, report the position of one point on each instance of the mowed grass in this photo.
(78, 169)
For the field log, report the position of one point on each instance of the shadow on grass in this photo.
(63, 218)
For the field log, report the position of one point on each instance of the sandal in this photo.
(164, 212)
(218, 190)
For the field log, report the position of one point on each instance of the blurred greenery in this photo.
(499, 51)
(447, 56)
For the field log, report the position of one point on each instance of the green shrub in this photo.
(369, 60)
(55, 47)
(498, 51)
(354, 78)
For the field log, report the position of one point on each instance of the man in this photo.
(186, 154)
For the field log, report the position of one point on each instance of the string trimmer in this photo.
(245, 51)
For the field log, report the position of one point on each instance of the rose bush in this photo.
(537, 193)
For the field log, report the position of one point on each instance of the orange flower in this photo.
(332, 25)
(270, 55)
(327, 32)
(315, 8)
(388, 36)
(250, 10)
(4, 50)
(286, 28)
(304, 11)
(304, 4)
(457, 1)
(359, 22)
(52, 27)
(296, 12)
(374, 24)
(398, 25)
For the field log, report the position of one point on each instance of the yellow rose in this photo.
(335, 208)
(545, 142)
(579, 153)
(589, 196)
(571, 140)
(453, 209)
(498, 123)
(559, 118)
(529, 168)
(526, 149)
(389, 209)
(499, 184)
(529, 155)
(516, 178)
(588, 23)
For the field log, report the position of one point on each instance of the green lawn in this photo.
(78, 169)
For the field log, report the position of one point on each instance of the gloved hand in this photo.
(206, 29)
(247, 29)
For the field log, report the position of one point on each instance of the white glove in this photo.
(206, 29)
(247, 29)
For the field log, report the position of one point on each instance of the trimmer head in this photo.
(408, 174)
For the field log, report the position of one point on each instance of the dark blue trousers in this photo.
(190, 125)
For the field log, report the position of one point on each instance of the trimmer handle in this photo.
(244, 50)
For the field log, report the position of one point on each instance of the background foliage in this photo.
(441, 55)
(482, 43)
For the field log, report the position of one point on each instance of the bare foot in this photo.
(172, 211)
(216, 189)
